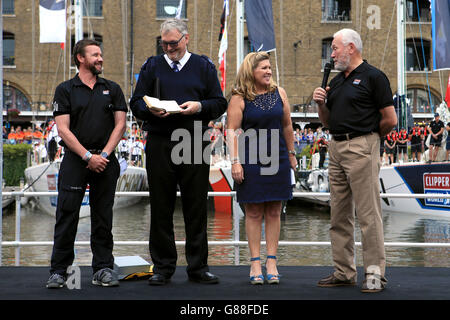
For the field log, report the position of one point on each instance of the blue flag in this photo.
(260, 24)
(440, 10)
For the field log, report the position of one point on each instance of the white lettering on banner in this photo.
(437, 183)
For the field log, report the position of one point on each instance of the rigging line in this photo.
(360, 15)
(56, 73)
(48, 67)
(423, 53)
(440, 84)
(387, 38)
(89, 23)
(30, 185)
(418, 58)
(211, 29)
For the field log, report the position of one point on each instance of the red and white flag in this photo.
(223, 38)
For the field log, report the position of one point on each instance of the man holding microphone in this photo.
(358, 108)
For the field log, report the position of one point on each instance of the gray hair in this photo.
(171, 24)
(350, 36)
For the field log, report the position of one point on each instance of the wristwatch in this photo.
(104, 154)
(87, 156)
(292, 152)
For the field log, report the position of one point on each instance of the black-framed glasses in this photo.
(173, 44)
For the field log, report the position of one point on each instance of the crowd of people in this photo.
(317, 140)
(38, 138)
(394, 146)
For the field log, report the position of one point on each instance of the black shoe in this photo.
(204, 277)
(56, 281)
(158, 280)
(105, 277)
(332, 281)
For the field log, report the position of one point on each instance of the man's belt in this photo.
(348, 136)
(95, 151)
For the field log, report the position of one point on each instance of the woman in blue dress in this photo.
(262, 156)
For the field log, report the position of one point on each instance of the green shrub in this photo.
(14, 162)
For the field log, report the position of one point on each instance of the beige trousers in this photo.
(354, 167)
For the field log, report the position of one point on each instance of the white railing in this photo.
(17, 243)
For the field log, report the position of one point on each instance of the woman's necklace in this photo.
(266, 101)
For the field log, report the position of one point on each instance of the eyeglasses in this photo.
(173, 44)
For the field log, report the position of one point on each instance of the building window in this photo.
(13, 98)
(412, 12)
(8, 6)
(419, 100)
(168, 8)
(326, 51)
(92, 8)
(336, 10)
(8, 49)
(94, 36)
(248, 47)
(414, 55)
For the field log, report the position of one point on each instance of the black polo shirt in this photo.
(436, 126)
(355, 102)
(91, 110)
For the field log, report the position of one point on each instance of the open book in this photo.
(170, 106)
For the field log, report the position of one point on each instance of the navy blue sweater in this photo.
(196, 81)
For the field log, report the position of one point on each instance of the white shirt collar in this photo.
(181, 62)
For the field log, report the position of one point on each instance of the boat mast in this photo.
(78, 20)
(401, 101)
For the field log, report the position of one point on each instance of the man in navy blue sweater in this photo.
(191, 80)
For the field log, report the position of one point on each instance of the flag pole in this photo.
(239, 33)
(276, 66)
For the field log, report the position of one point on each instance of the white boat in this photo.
(44, 178)
(411, 178)
(406, 178)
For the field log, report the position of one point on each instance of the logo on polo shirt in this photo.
(55, 106)
(105, 92)
(356, 81)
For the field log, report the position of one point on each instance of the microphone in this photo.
(326, 73)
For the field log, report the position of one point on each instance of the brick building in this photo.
(129, 30)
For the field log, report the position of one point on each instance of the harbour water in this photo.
(302, 222)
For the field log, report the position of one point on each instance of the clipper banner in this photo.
(52, 21)
(440, 11)
(260, 24)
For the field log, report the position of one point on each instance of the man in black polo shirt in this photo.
(436, 129)
(90, 113)
(358, 109)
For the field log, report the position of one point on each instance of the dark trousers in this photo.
(323, 154)
(193, 180)
(72, 181)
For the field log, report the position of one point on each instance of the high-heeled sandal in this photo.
(259, 279)
(272, 278)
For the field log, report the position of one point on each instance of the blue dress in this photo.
(263, 152)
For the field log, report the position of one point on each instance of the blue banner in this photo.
(440, 11)
(258, 14)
